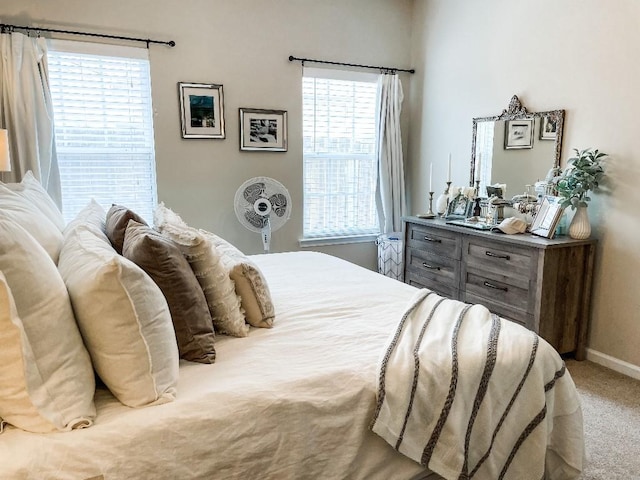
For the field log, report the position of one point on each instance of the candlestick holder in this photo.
(430, 213)
(442, 203)
(477, 188)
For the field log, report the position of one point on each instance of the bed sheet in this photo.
(291, 402)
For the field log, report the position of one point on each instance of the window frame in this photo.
(342, 236)
(139, 150)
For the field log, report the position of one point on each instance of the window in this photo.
(339, 153)
(103, 125)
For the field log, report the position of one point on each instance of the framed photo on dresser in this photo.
(546, 220)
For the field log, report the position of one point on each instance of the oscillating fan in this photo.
(263, 205)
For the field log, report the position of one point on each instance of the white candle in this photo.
(478, 166)
(431, 177)
(449, 170)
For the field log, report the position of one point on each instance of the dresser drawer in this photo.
(497, 291)
(504, 263)
(501, 277)
(433, 240)
(444, 270)
(505, 311)
(440, 288)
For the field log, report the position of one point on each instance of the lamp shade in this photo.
(5, 159)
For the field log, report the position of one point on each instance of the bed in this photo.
(324, 392)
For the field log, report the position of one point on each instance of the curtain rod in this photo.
(392, 69)
(4, 27)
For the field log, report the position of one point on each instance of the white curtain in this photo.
(390, 191)
(26, 110)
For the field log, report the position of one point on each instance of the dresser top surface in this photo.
(524, 239)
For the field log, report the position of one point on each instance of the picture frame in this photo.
(263, 130)
(548, 128)
(518, 134)
(459, 207)
(547, 218)
(201, 110)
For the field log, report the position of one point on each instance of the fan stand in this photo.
(266, 234)
(263, 208)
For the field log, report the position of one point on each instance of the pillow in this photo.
(46, 377)
(123, 318)
(24, 213)
(31, 189)
(218, 288)
(250, 283)
(117, 220)
(165, 264)
(163, 216)
(92, 216)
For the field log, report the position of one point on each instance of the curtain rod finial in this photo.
(291, 58)
(172, 43)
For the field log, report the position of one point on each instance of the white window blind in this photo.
(103, 125)
(340, 167)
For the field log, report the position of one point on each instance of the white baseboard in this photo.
(613, 363)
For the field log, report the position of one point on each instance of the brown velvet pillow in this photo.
(163, 262)
(116, 223)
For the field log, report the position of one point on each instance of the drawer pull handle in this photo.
(495, 255)
(430, 267)
(434, 240)
(495, 287)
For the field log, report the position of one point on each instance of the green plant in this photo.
(584, 174)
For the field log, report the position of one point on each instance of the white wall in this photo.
(244, 45)
(580, 55)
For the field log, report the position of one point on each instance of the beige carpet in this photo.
(611, 408)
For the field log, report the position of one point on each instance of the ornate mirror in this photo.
(516, 148)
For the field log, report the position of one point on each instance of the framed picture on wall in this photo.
(263, 130)
(202, 110)
(518, 134)
(548, 128)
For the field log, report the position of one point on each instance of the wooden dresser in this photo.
(542, 284)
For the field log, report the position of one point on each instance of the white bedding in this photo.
(291, 402)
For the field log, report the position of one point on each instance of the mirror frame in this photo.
(517, 111)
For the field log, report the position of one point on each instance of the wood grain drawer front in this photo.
(508, 263)
(497, 291)
(433, 240)
(441, 269)
(502, 310)
(440, 288)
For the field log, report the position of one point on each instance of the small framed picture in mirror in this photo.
(548, 128)
(518, 134)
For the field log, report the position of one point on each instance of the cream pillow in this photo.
(92, 216)
(19, 209)
(123, 318)
(46, 378)
(249, 281)
(218, 288)
(31, 189)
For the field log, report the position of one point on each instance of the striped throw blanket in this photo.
(470, 395)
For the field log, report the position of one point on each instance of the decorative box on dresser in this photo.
(543, 284)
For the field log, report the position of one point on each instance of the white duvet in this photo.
(291, 402)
